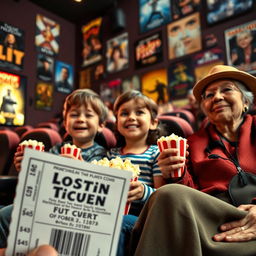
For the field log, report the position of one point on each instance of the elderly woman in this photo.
(182, 220)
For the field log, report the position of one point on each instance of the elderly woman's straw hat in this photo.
(224, 72)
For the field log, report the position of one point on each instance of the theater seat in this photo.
(48, 125)
(177, 125)
(22, 129)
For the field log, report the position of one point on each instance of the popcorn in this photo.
(34, 144)
(173, 141)
(118, 163)
(71, 150)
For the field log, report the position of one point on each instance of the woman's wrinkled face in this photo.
(222, 102)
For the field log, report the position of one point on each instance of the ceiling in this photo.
(74, 11)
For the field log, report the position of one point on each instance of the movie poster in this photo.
(11, 47)
(12, 99)
(131, 83)
(92, 44)
(153, 13)
(85, 80)
(149, 51)
(241, 46)
(44, 96)
(204, 61)
(184, 36)
(117, 53)
(181, 79)
(99, 72)
(64, 77)
(45, 67)
(221, 10)
(183, 8)
(47, 35)
(109, 91)
(154, 85)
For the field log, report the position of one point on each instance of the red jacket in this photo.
(212, 176)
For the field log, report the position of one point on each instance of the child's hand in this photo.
(168, 161)
(136, 191)
(18, 156)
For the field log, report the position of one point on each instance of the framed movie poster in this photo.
(64, 77)
(11, 47)
(153, 13)
(181, 79)
(131, 83)
(221, 10)
(85, 80)
(12, 99)
(117, 53)
(47, 35)
(154, 85)
(183, 8)
(92, 45)
(204, 61)
(44, 96)
(184, 36)
(149, 51)
(241, 46)
(45, 67)
(109, 91)
(99, 72)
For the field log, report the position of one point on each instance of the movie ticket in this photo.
(74, 206)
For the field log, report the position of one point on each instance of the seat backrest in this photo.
(48, 136)
(50, 125)
(178, 114)
(176, 125)
(22, 129)
(9, 141)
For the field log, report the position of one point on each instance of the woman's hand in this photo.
(136, 191)
(18, 156)
(168, 161)
(241, 230)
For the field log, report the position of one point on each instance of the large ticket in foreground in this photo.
(74, 206)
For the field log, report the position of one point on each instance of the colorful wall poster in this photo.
(117, 53)
(154, 85)
(153, 13)
(149, 50)
(47, 35)
(11, 47)
(99, 72)
(45, 67)
(64, 77)
(109, 91)
(221, 10)
(181, 79)
(12, 99)
(92, 44)
(131, 83)
(85, 79)
(241, 46)
(183, 8)
(44, 96)
(204, 61)
(184, 36)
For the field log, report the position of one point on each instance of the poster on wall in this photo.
(110, 90)
(241, 46)
(117, 53)
(181, 79)
(153, 13)
(131, 83)
(184, 36)
(154, 85)
(11, 47)
(92, 44)
(99, 72)
(12, 99)
(183, 8)
(204, 61)
(44, 96)
(64, 77)
(45, 68)
(85, 79)
(47, 35)
(221, 10)
(149, 51)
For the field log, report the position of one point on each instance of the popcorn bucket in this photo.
(72, 151)
(35, 147)
(180, 144)
(128, 205)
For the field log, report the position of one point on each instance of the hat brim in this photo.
(246, 79)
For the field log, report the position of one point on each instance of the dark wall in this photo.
(22, 14)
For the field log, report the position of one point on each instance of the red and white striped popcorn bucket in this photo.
(75, 152)
(37, 147)
(128, 205)
(180, 144)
